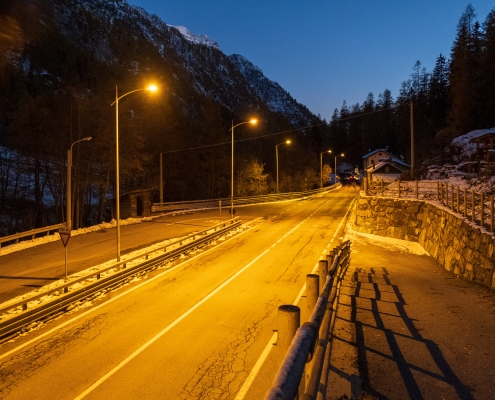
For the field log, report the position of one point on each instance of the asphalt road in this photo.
(31, 268)
(202, 329)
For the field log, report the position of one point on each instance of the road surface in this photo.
(203, 329)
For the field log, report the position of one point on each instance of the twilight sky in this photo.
(326, 51)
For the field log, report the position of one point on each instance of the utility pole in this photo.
(412, 141)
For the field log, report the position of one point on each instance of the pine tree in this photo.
(488, 70)
(464, 75)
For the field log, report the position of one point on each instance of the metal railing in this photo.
(238, 201)
(310, 347)
(69, 292)
(421, 190)
(476, 206)
(32, 233)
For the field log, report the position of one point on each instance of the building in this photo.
(383, 165)
(478, 147)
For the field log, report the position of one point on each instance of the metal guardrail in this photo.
(478, 207)
(238, 201)
(310, 349)
(68, 294)
(31, 233)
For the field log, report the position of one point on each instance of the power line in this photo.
(241, 140)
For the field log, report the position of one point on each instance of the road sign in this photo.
(64, 233)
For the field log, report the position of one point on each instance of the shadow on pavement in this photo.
(391, 352)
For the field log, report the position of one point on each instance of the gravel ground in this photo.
(408, 329)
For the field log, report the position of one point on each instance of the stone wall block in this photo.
(458, 246)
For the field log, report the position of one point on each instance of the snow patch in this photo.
(197, 39)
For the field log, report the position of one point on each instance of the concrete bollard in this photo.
(322, 272)
(289, 320)
(312, 292)
(330, 258)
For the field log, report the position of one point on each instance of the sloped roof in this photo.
(465, 140)
(376, 151)
(398, 164)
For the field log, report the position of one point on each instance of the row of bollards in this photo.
(319, 290)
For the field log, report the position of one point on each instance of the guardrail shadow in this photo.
(394, 359)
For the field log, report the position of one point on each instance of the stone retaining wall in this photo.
(461, 247)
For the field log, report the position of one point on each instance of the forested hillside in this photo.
(451, 100)
(61, 62)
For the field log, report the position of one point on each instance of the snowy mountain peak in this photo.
(198, 39)
(244, 64)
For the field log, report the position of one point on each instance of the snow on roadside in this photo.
(25, 244)
(388, 243)
(152, 250)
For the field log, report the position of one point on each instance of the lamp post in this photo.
(251, 121)
(337, 155)
(151, 88)
(321, 166)
(276, 157)
(68, 218)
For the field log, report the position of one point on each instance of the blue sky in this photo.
(326, 51)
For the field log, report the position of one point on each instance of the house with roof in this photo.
(382, 165)
(479, 147)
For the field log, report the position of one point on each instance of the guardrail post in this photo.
(382, 187)
(417, 190)
(491, 213)
(458, 209)
(452, 195)
(330, 257)
(288, 322)
(399, 187)
(322, 272)
(438, 190)
(465, 203)
(473, 205)
(447, 195)
(312, 292)
(482, 211)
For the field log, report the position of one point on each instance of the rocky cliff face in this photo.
(116, 33)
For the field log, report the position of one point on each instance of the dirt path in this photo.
(407, 329)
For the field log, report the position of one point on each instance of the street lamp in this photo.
(151, 88)
(336, 155)
(251, 121)
(276, 156)
(68, 218)
(321, 166)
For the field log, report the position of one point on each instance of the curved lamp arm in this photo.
(151, 88)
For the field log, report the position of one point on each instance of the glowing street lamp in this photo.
(251, 121)
(151, 88)
(321, 166)
(68, 218)
(276, 156)
(341, 155)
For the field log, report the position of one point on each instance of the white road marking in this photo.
(167, 328)
(182, 317)
(264, 355)
(92, 309)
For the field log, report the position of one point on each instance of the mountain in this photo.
(277, 98)
(63, 62)
(98, 25)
